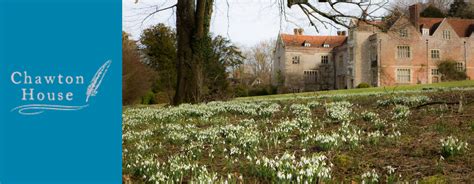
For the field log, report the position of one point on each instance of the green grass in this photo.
(466, 83)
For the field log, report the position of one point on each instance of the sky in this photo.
(245, 22)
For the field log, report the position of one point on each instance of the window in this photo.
(325, 60)
(296, 59)
(403, 33)
(403, 52)
(311, 76)
(434, 72)
(307, 44)
(435, 54)
(426, 32)
(403, 75)
(326, 45)
(446, 34)
(459, 66)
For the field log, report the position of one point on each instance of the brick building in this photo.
(305, 63)
(407, 53)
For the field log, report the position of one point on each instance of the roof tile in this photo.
(462, 27)
(315, 41)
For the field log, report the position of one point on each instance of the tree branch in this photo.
(336, 16)
(157, 11)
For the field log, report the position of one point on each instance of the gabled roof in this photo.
(430, 23)
(462, 27)
(373, 22)
(315, 41)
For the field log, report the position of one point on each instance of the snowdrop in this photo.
(370, 177)
(374, 137)
(401, 113)
(288, 168)
(339, 111)
(403, 100)
(452, 146)
(327, 142)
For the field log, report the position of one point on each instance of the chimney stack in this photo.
(341, 33)
(298, 31)
(415, 11)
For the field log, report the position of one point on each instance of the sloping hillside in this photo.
(410, 133)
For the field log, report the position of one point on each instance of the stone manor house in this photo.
(407, 53)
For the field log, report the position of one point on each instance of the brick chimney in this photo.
(341, 33)
(415, 11)
(298, 31)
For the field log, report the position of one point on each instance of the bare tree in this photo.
(334, 12)
(136, 77)
(402, 5)
(259, 59)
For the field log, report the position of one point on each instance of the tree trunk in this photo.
(192, 23)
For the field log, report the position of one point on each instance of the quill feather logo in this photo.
(97, 80)
(35, 109)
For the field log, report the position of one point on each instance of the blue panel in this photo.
(60, 140)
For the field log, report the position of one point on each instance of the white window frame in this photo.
(296, 60)
(403, 78)
(447, 34)
(435, 54)
(325, 59)
(310, 76)
(460, 66)
(403, 54)
(425, 31)
(403, 33)
(435, 72)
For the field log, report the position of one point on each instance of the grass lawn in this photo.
(415, 137)
(466, 83)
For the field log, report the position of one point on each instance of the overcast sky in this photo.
(245, 22)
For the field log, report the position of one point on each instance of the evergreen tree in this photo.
(159, 47)
(222, 56)
(432, 12)
(461, 9)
